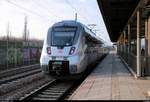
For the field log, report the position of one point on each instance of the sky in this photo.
(42, 14)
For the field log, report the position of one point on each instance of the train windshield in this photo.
(63, 36)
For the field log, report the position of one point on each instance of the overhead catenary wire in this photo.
(43, 6)
(27, 10)
(39, 15)
(67, 1)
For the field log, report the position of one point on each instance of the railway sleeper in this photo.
(48, 96)
(57, 88)
(54, 91)
(47, 93)
(43, 99)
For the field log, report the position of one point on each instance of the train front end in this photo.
(59, 55)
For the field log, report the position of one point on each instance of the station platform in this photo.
(111, 80)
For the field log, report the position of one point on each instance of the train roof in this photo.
(88, 31)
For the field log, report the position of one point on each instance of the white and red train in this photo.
(69, 47)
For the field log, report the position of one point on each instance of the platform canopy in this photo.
(116, 14)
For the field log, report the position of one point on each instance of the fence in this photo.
(17, 53)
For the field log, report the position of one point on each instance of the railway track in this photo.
(54, 90)
(11, 75)
(11, 72)
(18, 76)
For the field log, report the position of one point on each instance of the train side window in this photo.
(88, 43)
(84, 44)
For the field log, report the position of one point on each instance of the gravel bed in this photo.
(6, 88)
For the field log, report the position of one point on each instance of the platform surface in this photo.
(111, 80)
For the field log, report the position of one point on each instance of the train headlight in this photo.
(49, 50)
(72, 50)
